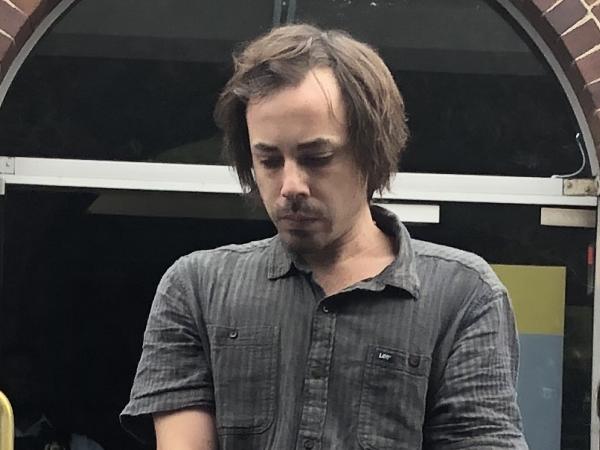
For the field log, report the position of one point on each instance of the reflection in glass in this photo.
(480, 97)
(129, 81)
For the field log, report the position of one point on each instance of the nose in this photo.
(294, 183)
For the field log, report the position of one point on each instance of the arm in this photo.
(173, 373)
(186, 429)
(474, 405)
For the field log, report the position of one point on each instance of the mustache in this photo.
(297, 207)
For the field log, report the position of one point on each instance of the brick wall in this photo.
(571, 28)
(18, 19)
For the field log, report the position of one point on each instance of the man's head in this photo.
(376, 122)
(314, 120)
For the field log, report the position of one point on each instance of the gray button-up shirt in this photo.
(424, 355)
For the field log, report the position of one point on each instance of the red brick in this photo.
(573, 72)
(50, 4)
(593, 120)
(7, 53)
(543, 5)
(587, 68)
(581, 39)
(27, 6)
(563, 56)
(533, 14)
(529, 9)
(589, 98)
(11, 19)
(35, 10)
(565, 15)
(594, 123)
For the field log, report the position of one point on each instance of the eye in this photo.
(316, 160)
(271, 163)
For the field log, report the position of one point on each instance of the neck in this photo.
(364, 238)
(362, 252)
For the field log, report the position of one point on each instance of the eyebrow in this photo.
(318, 143)
(264, 147)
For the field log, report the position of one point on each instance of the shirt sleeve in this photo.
(174, 370)
(475, 406)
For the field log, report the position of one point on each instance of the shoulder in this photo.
(254, 251)
(204, 265)
(453, 266)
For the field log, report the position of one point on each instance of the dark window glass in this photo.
(81, 271)
(480, 98)
(133, 81)
(138, 82)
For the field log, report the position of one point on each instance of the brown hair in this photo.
(376, 121)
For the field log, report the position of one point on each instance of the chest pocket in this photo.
(244, 365)
(392, 402)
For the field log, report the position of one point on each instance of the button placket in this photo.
(316, 378)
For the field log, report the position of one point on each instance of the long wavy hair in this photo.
(376, 119)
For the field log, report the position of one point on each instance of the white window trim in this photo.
(221, 179)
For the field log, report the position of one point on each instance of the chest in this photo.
(336, 364)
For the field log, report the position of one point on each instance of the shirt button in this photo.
(233, 334)
(414, 361)
(325, 309)
(308, 444)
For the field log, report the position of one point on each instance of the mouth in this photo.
(298, 218)
(296, 221)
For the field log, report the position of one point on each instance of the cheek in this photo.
(267, 193)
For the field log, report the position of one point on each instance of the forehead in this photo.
(316, 98)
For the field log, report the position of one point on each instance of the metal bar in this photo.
(482, 189)
(221, 179)
(277, 8)
(7, 424)
(7, 164)
(291, 12)
(568, 217)
(411, 213)
(581, 186)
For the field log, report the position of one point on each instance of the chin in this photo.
(301, 242)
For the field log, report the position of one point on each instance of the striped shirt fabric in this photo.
(422, 356)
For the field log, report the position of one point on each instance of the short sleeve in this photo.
(173, 371)
(475, 405)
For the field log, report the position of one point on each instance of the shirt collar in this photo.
(401, 273)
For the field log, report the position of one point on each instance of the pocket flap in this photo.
(233, 336)
(411, 363)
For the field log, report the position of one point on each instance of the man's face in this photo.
(306, 175)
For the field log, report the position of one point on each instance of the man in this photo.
(340, 332)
